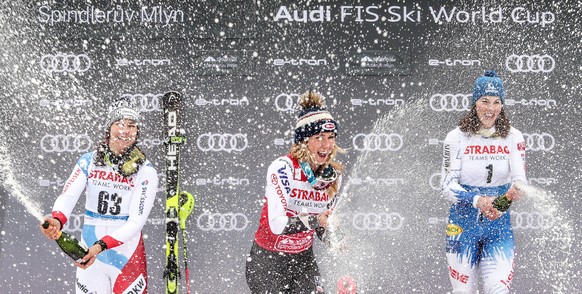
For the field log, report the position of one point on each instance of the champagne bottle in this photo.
(502, 203)
(69, 244)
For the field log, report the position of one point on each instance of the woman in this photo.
(121, 186)
(483, 159)
(300, 195)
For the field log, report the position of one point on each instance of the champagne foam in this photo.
(14, 188)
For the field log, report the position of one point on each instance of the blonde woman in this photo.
(300, 195)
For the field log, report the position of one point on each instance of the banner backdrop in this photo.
(397, 76)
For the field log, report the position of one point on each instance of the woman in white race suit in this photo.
(120, 187)
(300, 194)
(483, 159)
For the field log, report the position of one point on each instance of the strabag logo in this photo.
(65, 62)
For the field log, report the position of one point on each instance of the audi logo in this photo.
(377, 142)
(222, 142)
(222, 221)
(435, 181)
(530, 63)
(151, 142)
(287, 102)
(530, 220)
(378, 221)
(74, 223)
(450, 102)
(539, 142)
(145, 102)
(66, 143)
(63, 62)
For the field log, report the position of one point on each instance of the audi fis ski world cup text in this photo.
(91, 14)
(395, 14)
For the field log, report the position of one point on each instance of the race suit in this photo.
(281, 259)
(480, 166)
(116, 209)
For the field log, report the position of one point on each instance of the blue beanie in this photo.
(488, 85)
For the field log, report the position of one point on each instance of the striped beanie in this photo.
(122, 108)
(313, 121)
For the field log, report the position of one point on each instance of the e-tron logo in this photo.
(222, 221)
(145, 102)
(539, 142)
(222, 142)
(287, 102)
(299, 62)
(531, 220)
(140, 62)
(63, 62)
(378, 221)
(530, 63)
(450, 102)
(66, 143)
(244, 101)
(377, 142)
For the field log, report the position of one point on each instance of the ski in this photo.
(171, 103)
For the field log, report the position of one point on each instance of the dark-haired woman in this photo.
(483, 159)
(120, 185)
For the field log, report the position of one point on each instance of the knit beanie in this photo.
(488, 85)
(122, 108)
(313, 119)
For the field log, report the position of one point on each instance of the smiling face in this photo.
(122, 135)
(488, 109)
(320, 147)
